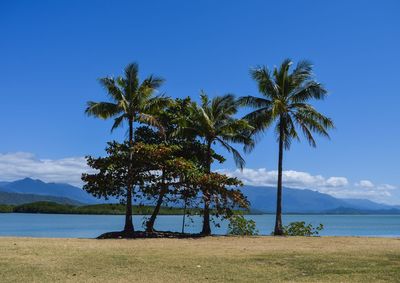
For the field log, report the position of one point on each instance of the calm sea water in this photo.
(90, 226)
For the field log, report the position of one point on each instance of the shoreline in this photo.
(390, 237)
(245, 214)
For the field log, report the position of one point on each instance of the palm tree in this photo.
(213, 122)
(284, 101)
(131, 101)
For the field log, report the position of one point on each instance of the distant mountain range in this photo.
(29, 190)
(3, 183)
(38, 187)
(17, 199)
(262, 199)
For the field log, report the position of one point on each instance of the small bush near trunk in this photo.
(238, 225)
(300, 228)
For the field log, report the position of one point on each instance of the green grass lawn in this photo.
(215, 259)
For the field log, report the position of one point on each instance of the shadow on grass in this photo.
(148, 235)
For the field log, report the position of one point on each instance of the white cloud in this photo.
(291, 178)
(19, 165)
(365, 184)
(379, 196)
(336, 186)
(386, 187)
(337, 182)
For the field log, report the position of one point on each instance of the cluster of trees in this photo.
(170, 148)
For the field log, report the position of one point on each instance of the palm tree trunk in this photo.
(128, 213)
(152, 220)
(278, 221)
(206, 197)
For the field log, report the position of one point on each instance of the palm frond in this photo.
(313, 122)
(307, 110)
(224, 105)
(156, 104)
(266, 85)
(204, 122)
(307, 133)
(302, 73)
(239, 160)
(131, 79)
(204, 99)
(118, 122)
(260, 119)
(103, 110)
(282, 78)
(149, 85)
(150, 120)
(311, 90)
(112, 89)
(254, 102)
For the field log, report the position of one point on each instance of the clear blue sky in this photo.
(52, 52)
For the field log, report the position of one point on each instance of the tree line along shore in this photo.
(96, 209)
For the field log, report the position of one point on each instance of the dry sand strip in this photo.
(212, 259)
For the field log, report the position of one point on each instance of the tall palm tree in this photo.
(284, 101)
(213, 122)
(131, 101)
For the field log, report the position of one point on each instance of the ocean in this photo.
(91, 226)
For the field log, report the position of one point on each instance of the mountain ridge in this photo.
(262, 199)
(18, 199)
(306, 201)
(38, 187)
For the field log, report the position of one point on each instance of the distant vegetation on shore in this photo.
(5, 208)
(119, 209)
(99, 209)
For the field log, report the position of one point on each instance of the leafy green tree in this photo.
(175, 178)
(131, 101)
(116, 172)
(116, 175)
(185, 148)
(213, 122)
(223, 193)
(284, 101)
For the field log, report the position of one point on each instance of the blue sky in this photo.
(52, 52)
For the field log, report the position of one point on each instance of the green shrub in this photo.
(238, 225)
(300, 228)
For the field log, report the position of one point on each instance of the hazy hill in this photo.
(38, 187)
(17, 199)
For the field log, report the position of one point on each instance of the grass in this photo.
(214, 259)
